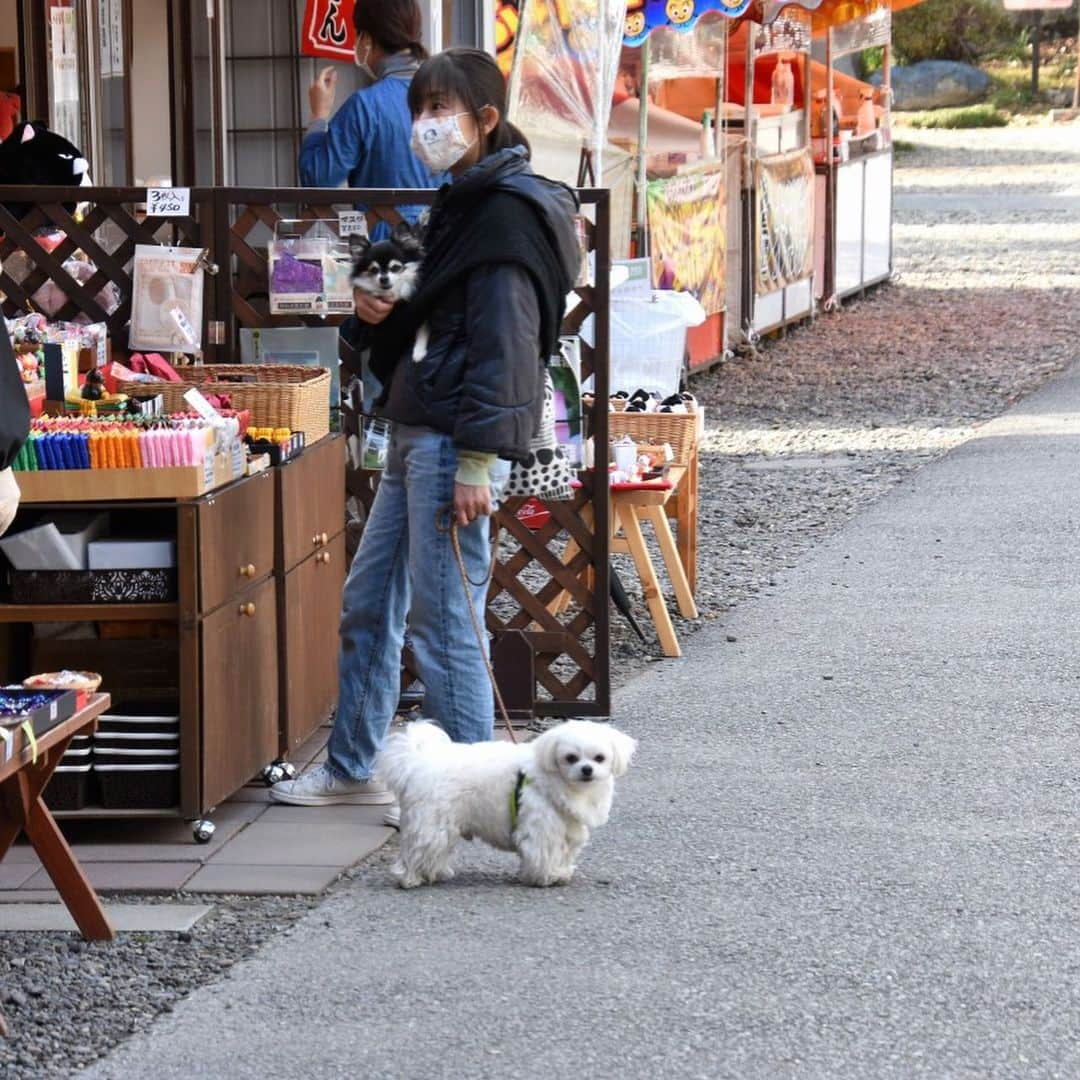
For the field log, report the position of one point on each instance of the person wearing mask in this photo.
(502, 254)
(365, 144)
(14, 427)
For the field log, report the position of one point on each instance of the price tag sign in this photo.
(352, 223)
(168, 202)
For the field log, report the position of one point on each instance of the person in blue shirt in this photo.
(366, 143)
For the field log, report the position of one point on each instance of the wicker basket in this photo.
(678, 430)
(277, 395)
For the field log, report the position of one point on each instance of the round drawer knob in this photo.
(323, 539)
(323, 556)
(316, 540)
(247, 571)
(247, 609)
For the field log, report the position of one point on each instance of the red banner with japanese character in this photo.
(328, 29)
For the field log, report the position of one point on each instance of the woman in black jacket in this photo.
(14, 427)
(501, 254)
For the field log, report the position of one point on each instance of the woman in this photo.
(366, 144)
(502, 253)
(14, 427)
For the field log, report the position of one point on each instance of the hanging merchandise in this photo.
(309, 270)
(644, 16)
(689, 237)
(783, 83)
(784, 193)
(167, 299)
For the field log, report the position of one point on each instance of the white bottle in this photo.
(708, 136)
(783, 83)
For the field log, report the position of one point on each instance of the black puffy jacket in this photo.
(14, 406)
(502, 255)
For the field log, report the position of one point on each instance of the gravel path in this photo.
(801, 435)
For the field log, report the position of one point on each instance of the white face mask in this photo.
(439, 142)
(9, 499)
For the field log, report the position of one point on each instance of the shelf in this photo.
(23, 613)
(100, 813)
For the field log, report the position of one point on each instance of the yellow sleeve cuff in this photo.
(474, 468)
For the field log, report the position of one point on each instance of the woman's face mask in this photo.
(439, 141)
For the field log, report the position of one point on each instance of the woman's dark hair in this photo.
(395, 25)
(474, 78)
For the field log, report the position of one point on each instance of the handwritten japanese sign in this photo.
(168, 202)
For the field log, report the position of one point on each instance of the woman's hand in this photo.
(370, 309)
(470, 502)
(321, 93)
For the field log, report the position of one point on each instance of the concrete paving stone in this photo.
(13, 875)
(263, 880)
(312, 844)
(151, 877)
(160, 841)
(279, 813)
(311, 749)
(21, 853)
(251, 793)
(29, 896)
(144, 918)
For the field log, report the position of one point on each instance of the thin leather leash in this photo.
(446, 522)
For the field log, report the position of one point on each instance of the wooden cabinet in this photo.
(249, 648)
(311, 603)
(311, 572)
(239, 707)
(236, 539)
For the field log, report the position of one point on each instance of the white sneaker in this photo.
(392, 817)
(320, 787)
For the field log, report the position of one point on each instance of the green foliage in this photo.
(974, 116)
(903, 146)
(951, 30)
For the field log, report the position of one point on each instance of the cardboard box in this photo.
(116, 553)
(97, 485)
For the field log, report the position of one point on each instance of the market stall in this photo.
(190, 550)
(853, 158)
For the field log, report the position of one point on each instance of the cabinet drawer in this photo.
(310, 615)
(239, 691)
(311, 494)
(236, 540)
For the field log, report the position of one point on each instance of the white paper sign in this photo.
(352, 223)
(168, 202)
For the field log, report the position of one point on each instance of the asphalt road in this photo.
(848, 848)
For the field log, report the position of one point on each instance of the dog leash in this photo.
(446, 522)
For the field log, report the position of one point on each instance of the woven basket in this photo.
(277, 395)
(679, 430)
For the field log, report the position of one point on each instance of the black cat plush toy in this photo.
(32, 155)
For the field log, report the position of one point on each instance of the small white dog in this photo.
(539, 799)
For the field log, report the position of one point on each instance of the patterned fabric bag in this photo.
(547, 472)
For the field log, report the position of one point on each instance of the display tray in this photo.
(43, 708)
(156, 586)
(95, 485)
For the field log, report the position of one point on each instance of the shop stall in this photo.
(189, 549)
(853, 158)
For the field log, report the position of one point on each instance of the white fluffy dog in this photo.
(539, 799)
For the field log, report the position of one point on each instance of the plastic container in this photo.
(132, 718)
(105, 741)
(135, 757)
(70, 787)
(138, 787)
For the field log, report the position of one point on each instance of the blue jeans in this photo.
(405, 567)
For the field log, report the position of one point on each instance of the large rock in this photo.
(936, 84)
